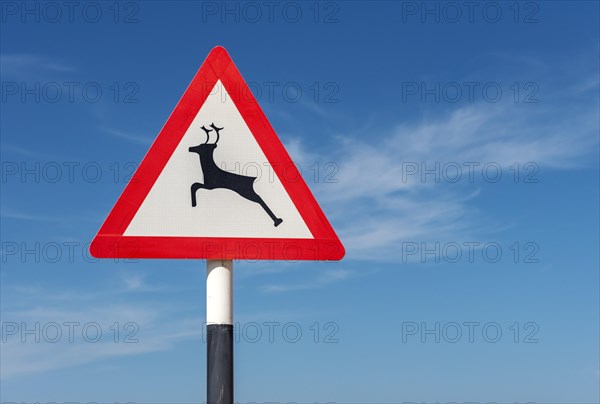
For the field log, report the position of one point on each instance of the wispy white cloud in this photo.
(146, 327)
(376, 204)
(29, 66)
(29, 152)
(136, 282)
(152, 330)
(160, 324)
(7, 213)
(128, 136)
(323, 279)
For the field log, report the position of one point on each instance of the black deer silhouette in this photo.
(214, 177)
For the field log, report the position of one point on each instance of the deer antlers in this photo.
(207, 131)
(212, 125)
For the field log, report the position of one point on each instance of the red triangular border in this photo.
(110, 242)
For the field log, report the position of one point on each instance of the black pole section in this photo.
(219, 361)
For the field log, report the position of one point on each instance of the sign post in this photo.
(217, 184)
(219, 331)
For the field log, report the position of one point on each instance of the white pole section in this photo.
(219, 292)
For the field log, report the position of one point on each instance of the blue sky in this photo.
(366, 97)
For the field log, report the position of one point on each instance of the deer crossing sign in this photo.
(185, 201)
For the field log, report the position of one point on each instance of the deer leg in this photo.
(256, 198)
(195, 187)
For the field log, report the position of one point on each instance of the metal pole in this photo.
(219, 331)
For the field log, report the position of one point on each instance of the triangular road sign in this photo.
(218, 184)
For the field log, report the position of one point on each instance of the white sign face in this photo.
(225, 205)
